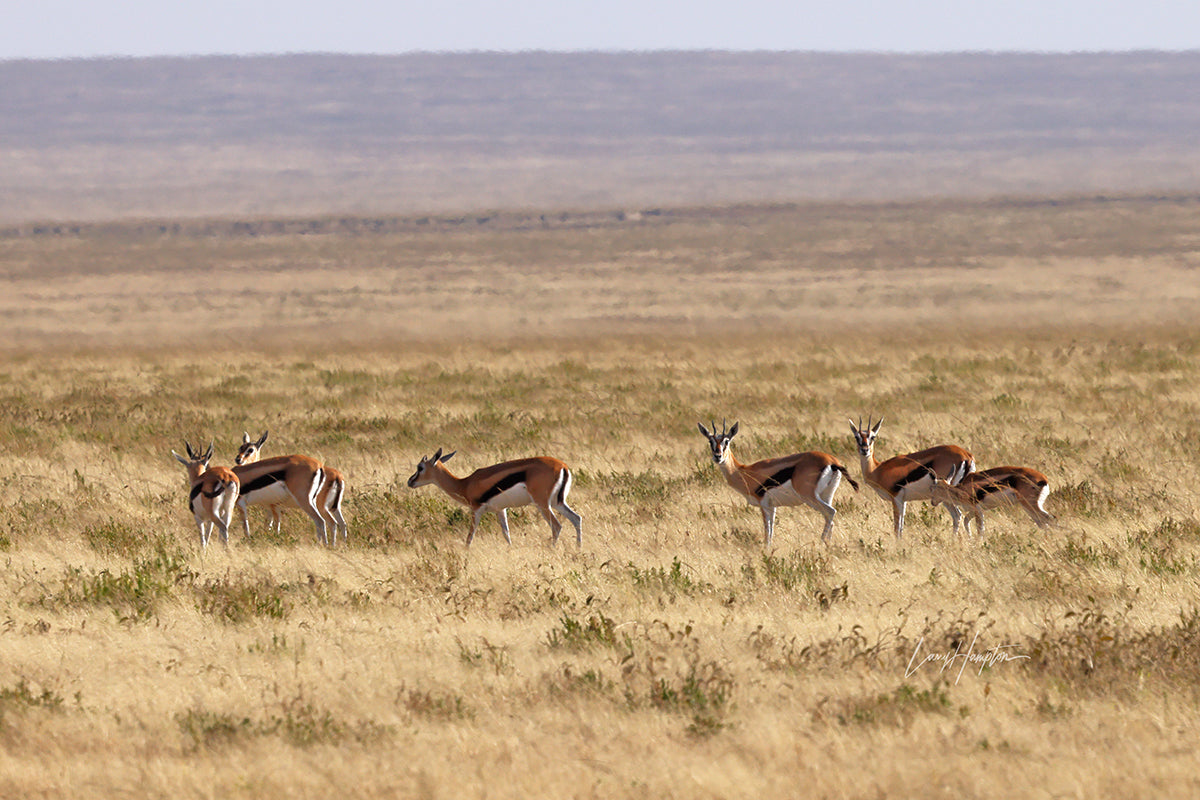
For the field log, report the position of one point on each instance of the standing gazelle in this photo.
(214, 493)
(809, 479)
(996, 487)
(544, 482)
(904, 478)
(283, 480)
(328, 499)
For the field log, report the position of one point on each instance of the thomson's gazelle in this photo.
(214, 493)
(328, 499)
(283, 480)
(995, 487)
(809, 479)
(544, 482)
(902, 479)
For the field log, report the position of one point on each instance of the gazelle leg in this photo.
(479, 512)
(502, 513)
(829, 512)
(339, 521)
(1040, 516)
(241, 504)
(555, 525)
(955, 515)
(574, 519)
(768, 512)
(898, 514)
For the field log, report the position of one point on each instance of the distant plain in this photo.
(1047, 320)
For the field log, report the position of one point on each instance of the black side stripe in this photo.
(219, 490)
(502, 485)
(919, 472)
(1010, 482)
(263, 481)
(192, 496)
(778, 479)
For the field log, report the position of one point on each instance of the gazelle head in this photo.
(719, 442)
(425, 468)
(864, 438)
(249, 452)
(941, 492)
(196, 462)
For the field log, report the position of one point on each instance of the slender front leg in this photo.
(955, 514)
(241, 504)
(479, 512)
(898, 514)
(768, 512)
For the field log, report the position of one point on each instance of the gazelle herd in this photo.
(944, 475)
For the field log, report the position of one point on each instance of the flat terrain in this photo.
(310, 135)
(673, 655)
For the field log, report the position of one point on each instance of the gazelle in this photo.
(905, 478)
(809, 479)
(995, 487)
(544, 482)
(283, 480)
(328, 500)
(214, 493)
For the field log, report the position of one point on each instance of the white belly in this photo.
(275, 494)
(919, 489)
(783, 495)
(510, 498)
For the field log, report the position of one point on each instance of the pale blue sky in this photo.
(84, 28)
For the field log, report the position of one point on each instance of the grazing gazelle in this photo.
(904, 478)
(214, 493)
(328, 500)
(809, 478)
(544, 482)
(995, 487)
(283, 480)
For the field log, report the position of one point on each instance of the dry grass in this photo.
(673, 656)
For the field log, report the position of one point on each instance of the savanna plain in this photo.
(673, 655)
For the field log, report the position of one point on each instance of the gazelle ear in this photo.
(245, 438)
(188, 447)
(877, 424)
(853, 427)
(180, 459)
(436, 456)
(733, 430)
(262, 439)
(703, 430)
(447, 457)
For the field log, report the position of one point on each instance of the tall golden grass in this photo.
(672, 656)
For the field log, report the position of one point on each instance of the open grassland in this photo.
(673, 656)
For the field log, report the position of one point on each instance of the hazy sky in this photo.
(79, 28)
